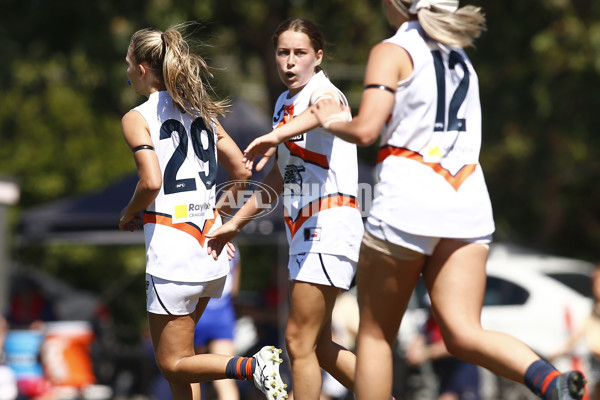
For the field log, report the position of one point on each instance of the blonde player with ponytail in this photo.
(176, 142)
(432, 214)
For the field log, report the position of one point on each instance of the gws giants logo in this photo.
(292, 180)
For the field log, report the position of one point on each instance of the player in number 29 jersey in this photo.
(175, 138)
(176, 222)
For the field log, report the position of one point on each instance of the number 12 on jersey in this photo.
(458, 97)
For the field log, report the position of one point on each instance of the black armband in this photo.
(143, 147)
(380, 87)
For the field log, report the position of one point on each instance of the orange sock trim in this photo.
(549, 379)
(249, 374)
(238, 369)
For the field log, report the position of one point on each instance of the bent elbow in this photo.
(365, 131)
(367, 139)
(152, 185)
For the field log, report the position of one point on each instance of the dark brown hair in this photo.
(309, 28)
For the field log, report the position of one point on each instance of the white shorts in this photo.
(179, 298)
(322, 269)
(421, 244)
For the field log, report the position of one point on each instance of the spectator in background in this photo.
(29, 309)
(457, 379)
(590, 332)
(8, 379)
(29, 306)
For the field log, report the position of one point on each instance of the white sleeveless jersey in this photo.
(430, 180)
(176, 223)
(320, 175)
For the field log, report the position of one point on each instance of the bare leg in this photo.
(384, 288)
(310, 312)
(173, 341)
(455, 277)
(335, 359)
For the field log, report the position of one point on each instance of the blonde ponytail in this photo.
(457, 29)
(443, 21)
(185, 74)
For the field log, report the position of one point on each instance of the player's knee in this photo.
(461, 345)
(168, 369)
(296, 343)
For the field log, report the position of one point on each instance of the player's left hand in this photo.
(219, 238)
(264, 146)
(230, 251)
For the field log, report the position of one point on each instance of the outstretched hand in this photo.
(264, 146)
(219, 238)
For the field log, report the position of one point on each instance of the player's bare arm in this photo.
(304, 122)
(230, 158)
(388, 64)
(137, 137)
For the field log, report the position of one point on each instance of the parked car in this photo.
(537, 298)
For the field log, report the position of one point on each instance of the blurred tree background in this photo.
(63, 90)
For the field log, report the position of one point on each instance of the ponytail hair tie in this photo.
(449, 6)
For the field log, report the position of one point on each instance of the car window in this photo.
(500, 292)
(579, 282)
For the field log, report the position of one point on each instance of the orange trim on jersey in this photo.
(314, 207)
(295, 150)
(307, 155)
(288, 114)
(454, 180)
(191, 229)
